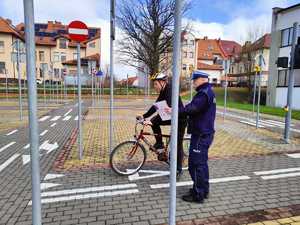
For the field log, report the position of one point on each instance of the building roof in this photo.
(131, 80)
(84, 60)
(204, 66)
(261, 43)
(289, 8)
(7, 27)
(207, 48)
(231, 48)
(47, 33)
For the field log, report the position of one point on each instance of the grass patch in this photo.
(238, 99)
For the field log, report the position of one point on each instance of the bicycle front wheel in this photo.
(127, 158)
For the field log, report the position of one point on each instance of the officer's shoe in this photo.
(206, 195)
(192, 198)
(179, 174)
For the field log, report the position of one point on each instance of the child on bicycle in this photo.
(161, 86)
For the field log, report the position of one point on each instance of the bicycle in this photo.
(128, 157)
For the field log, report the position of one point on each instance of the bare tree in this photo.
(147, 27)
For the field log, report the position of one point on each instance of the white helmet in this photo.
(159, 76)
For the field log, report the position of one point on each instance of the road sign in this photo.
(99, 73)
(78, 31)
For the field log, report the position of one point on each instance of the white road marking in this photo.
(44, 118)
(250, 123)
(86, 196)
(68, 112)
(76, 118)
(26, 146)
(295, 130)
(277, 171)
(52, 125)
(50, 176)
(55, 118)
(187, 183)
(278, 123)
(294, 155)
(45, 186)
(9, 161)
(67, 118)
(7, 146)
(154, 173)
(280, 176)
(12, 132)
(49, 147)
(86, 190)
(43, 133)
(25, 159)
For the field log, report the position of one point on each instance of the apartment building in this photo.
(53, 49)
(282, 31)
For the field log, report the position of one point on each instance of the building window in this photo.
(192, 42)
(2, 67)
(191, 55)
(92, 44)
(75, 56)
(62, 43)
(184, 67)
(1, 46)
(41, 73)
(63, 57)
(282, 78)
(56, 57)
(56, 72)
(210, 48)
(41, 56)
(184, 54)
(286, 37)
(185, 42)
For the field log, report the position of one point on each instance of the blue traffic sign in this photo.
(99, 73)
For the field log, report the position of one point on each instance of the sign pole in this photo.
(33, 117)
(112, 38)
(174, 123)
(259, 90)
(254, 93)
(19, 80)
(6, 85)
(288, 116)
(79, 101)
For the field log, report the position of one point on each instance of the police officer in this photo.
(201, 112)
(161, 85)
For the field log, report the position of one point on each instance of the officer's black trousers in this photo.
(157, 122)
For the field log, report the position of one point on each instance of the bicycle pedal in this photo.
(162, 157)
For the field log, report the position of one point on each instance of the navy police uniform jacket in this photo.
(201, 111)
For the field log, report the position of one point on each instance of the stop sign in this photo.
(78, 31)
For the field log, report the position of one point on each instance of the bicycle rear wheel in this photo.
(127, 158)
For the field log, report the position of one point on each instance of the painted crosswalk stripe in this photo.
(67, 118)
(278, 176)
(294, 155)
(76, 118)
(12, 132)
(44, 118)
(267, 172)
(251, 123)
(55, 118)
(8, 162)
(87, 190)
(295, 130)
(53, 125)
(276, 122)
(43, 133)
(187, 183)
(86, 196)
(26, 146)
(68, 112)
(7, 146)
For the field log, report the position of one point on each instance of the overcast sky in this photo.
(226, 19)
